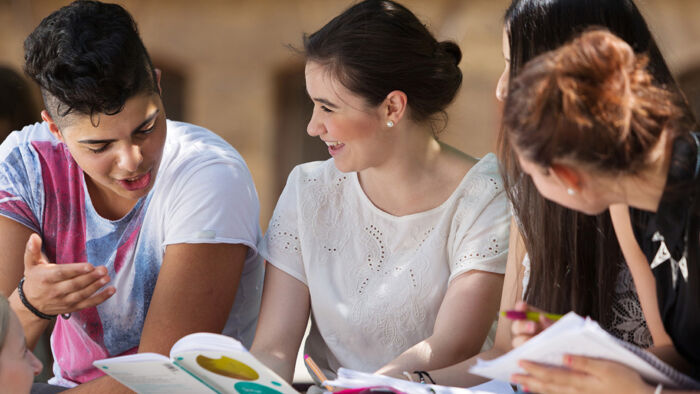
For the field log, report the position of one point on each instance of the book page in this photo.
(351, 379)
(150, 375)
(574, 335)
(226, 365)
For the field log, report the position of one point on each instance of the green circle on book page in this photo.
(278, 384)
(254, 388)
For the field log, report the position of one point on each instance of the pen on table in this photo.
(317, 371)
(532, 316)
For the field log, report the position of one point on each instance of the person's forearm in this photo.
(283, 366)
(458, 374)
(32, 325)
(670, 355)
(430, 354)
(103, 385)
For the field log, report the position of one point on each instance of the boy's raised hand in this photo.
(61, 288)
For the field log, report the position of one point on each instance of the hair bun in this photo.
(591, 102)
(452, 49)
(602, 57)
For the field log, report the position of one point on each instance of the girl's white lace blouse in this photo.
(377, 280)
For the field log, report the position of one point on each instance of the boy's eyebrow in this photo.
(325, 102)
(148, 120)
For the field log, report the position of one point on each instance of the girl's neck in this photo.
(411, 163)
(645, 190)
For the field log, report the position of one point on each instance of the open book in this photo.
(199, 363)
(350, 379)
(573, 334)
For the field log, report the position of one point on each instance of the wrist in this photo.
(423, 377)
(645, 388)
(28, 305)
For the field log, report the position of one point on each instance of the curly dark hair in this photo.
(88, 58)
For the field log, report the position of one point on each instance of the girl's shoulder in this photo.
(460, 167)
(316, 173)
(483, 175)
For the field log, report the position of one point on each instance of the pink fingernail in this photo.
(568, 360)
(530, 326)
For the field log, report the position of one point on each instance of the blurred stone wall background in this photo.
(227, 66)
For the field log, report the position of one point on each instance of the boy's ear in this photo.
(158, 72)
(53, 128)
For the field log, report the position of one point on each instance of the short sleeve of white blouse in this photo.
(377, 280)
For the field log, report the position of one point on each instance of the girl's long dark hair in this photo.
(575, 258)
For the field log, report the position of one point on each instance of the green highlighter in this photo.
(532, 316)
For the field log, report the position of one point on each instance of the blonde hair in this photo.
(4, 319)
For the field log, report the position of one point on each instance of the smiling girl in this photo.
(397, 245)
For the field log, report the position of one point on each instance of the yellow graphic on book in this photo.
(228, 367)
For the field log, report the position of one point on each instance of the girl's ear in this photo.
(394, 106)
(569, 177)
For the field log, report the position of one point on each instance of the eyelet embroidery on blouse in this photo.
(492, 250)
(309, 180)
(377, 235)
(410, 310)
(282, 241)
(496, 185)
(383, 273)
(426, 235)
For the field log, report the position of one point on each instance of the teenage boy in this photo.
(152, 224)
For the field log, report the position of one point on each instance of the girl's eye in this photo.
(100, 149)
(325, 109)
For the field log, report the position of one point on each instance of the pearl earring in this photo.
(390, 123)
(571, 191)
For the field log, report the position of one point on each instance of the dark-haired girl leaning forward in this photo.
(396, 245)
(592, 128)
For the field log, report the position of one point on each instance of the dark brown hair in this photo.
(88, 58)
(575, 259)
(591, 102)
(378, 46)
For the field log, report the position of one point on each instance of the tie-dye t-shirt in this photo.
(203, 193)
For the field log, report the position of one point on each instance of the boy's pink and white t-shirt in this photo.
(203, 194)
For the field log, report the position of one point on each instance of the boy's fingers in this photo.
(96, 299)
(32, 251)
(63, 272)
(80, 283)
